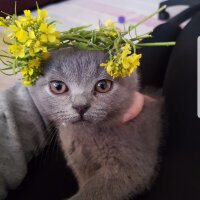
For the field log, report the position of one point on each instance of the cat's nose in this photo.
(81, 109)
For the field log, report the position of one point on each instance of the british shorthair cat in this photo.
(111, 161)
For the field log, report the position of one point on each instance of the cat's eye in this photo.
(103, 86)
(58, 87)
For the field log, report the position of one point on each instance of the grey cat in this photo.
(111, 161)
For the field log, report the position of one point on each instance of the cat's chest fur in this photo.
(133, 145)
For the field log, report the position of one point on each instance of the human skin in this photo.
(136, 106)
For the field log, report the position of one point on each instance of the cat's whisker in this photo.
(96, 115)
(52, 137)
(58, 114)
(51, 134)
(44, 153)
(67, 118)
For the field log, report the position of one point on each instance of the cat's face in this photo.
(75, 89)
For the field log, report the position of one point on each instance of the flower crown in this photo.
(30, 39)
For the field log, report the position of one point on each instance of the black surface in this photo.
(179, 176)
(154, 60)
(164, 15)
(48, 177)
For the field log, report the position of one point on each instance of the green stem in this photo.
(68, 37)
(3, 51)
(4, 62)
(5, 73)
(15, 8)
(11, 57)
(141, 37)
(37, 5)
(6, 13)
(5, 69)
(13, 67)
(156, 44)
(147, 33)
(145, 19)
(142, 21)
(5, 42)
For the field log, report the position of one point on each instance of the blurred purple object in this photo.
(121, 19)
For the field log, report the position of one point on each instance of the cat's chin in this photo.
(81, 120)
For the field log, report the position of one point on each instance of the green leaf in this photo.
(78, 28)
(81, 45)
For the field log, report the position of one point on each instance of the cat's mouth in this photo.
(81, 119)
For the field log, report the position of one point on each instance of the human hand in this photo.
(136, 107)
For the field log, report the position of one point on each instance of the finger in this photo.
(135, 109)
(150, 99)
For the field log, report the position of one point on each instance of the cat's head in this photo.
(75, 89)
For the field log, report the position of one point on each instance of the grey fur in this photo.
(111, 161)
(22, 136)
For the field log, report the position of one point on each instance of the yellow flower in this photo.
(28, 14)
(112, 33)
(126, 47)
(109, 66)
(30, 71)
(27, 71)
(134, 60)
(45, 56)
(19, 23)
(22, 35)
(44, 38)
(26, 21)
(28, 43)
(31, 34)
(42, 14)
(47, 29)
(34, 63)
(31, 37)
(44, 49)
(3, 22)
(50, 35)
(27, 83)
(37, 47)
(123, 63)
(109, 23)
(24, 71)
(18, 32)
(22, 20)
(17, 50)
(57, 34)
(13, 28)
(31, 52)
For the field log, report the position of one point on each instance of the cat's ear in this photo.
(136, 107)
